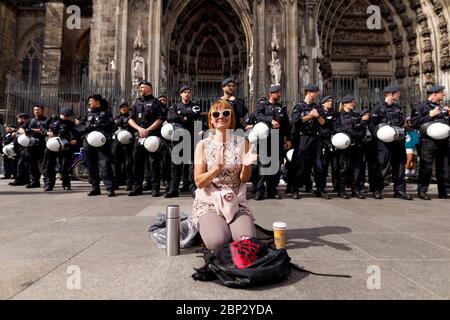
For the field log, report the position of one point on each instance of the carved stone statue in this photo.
(163, 75)
(364, 68)
(251, 69)
(138, 62)
(305, 74)
(414, 68)
(276, 70)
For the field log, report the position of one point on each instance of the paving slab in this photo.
(43, 237)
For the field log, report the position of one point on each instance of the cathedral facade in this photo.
(346, 47)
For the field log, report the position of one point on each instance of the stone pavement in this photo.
(42, 235)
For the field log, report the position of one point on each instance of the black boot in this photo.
(172, 194)
(95, 191)
(344, 195)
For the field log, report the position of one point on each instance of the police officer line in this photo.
(270, 127)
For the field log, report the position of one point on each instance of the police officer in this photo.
(98, 160)
(35, 153)
(249, 123)
(22, 176)
(431, 150)
(369, 147)
(240, 110)
(392, 154)
(351, 159)
(306, 121)
(123, 153)
(329, 157)
(147, 119)
(9, 163)
(184, 113)
(275, 116)
(64, 128)
(166, 151)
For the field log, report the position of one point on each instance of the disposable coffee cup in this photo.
(279, 230)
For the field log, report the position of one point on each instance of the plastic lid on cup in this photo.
(280, 225)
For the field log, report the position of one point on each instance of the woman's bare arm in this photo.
(246, 172)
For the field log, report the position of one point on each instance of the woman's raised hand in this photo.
(251, 157)
(220, 157)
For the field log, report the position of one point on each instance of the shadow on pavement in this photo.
(295, 238)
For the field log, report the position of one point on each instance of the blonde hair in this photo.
(341, 107)
(221, 105)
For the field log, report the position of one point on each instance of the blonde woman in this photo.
(223, 164)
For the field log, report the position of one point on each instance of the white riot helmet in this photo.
(167, 131)
(341, 141)
(388, 134)
(152, 144)
(252, 138)
(261, 131)
(124, 137)
(25, 141)
(57, 144)
(96, 139)
(290, 155)
(9, 151)
(438, 131)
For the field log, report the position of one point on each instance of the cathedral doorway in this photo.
(205, 43)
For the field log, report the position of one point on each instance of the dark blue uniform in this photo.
(145, 112)
(23, 172)
(123, 154)
(35, 154)
(351, 159)
(98, 160)
(389, 155)
(266, 112)
(329, 155)
(65, 129)
(185, 115)
(9, 164)
(431, 150)
(308, 148)
(251, 121)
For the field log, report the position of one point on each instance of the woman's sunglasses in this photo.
(225, 113)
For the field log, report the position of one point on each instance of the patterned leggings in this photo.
(216, 232)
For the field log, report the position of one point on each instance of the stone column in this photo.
(54, 24)
(292, 47)
(154, 44)
(260, 57)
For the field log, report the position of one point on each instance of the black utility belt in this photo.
(306, 134)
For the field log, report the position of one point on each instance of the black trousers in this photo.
(369, 165)
(432, 151)
(22, 170)
(330, 159)
(123, 163)
(391, 155)
(35, 160)
(9, 167)
(183, 171)
(166, 162)
(351, 163)
(99, 164)
(308, 158)
(51, 160)
(141, 156)
(268, 183)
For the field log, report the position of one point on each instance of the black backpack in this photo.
(272, 265)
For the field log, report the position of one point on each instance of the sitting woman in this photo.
(223, 165)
